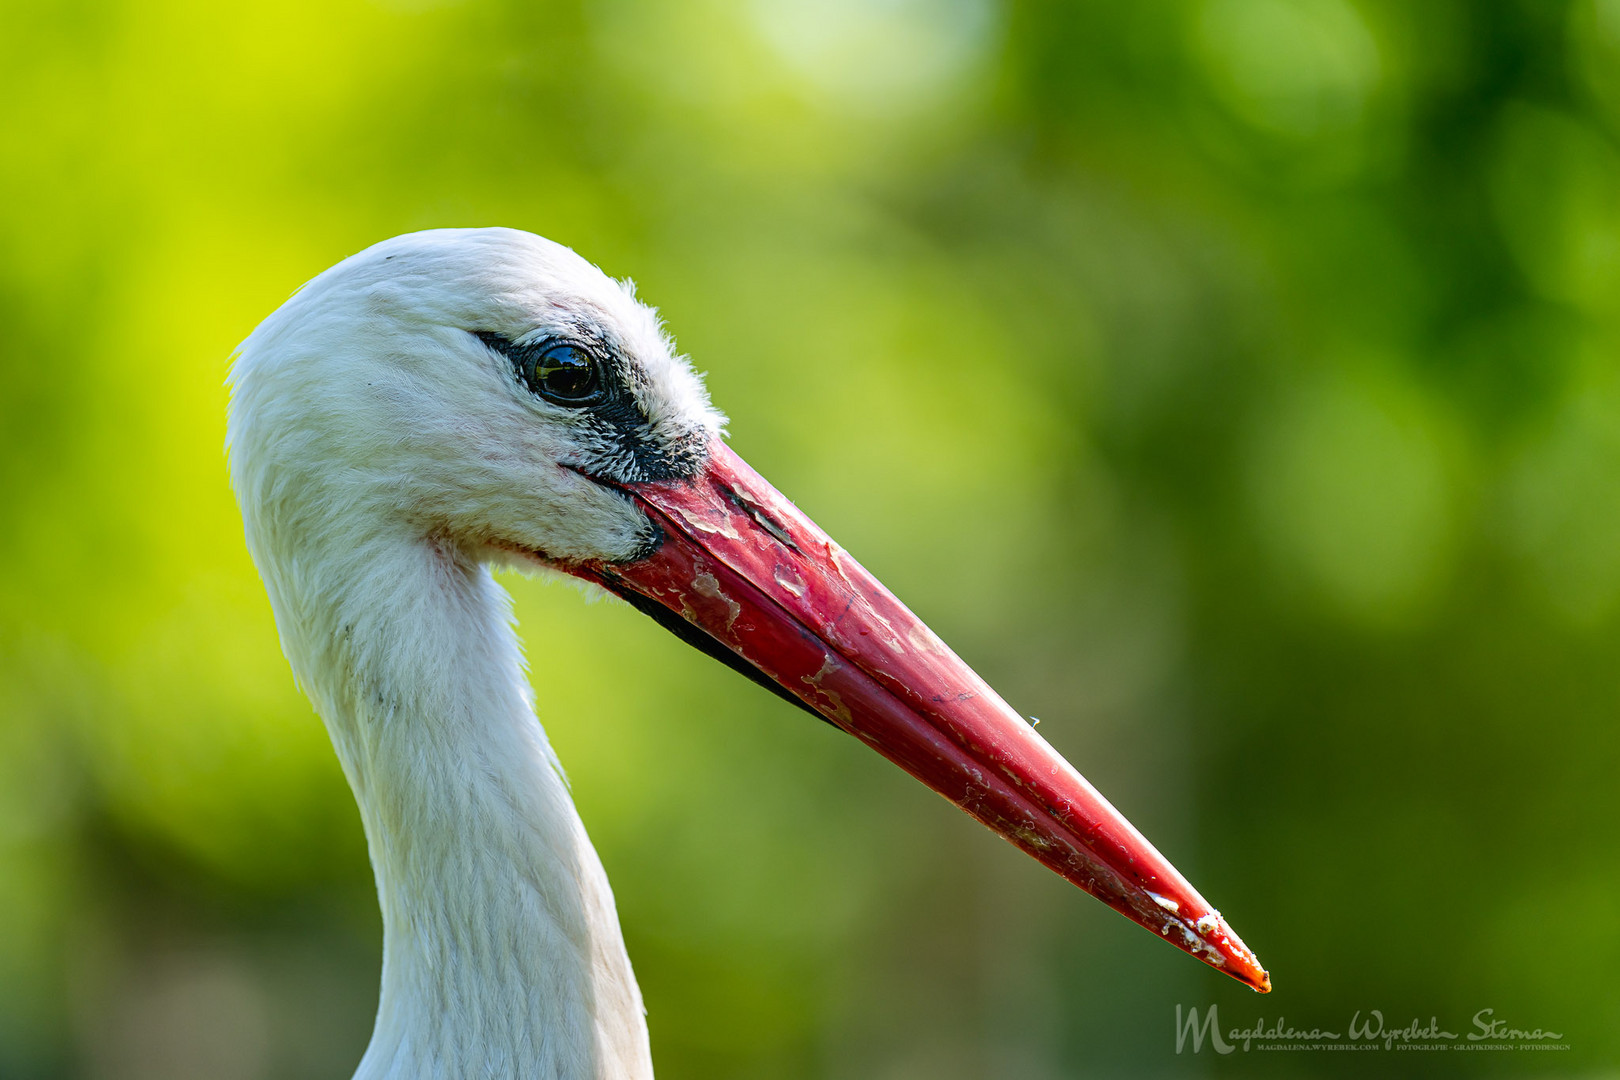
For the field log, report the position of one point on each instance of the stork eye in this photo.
(565, 374)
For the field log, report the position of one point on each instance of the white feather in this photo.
(383, 457)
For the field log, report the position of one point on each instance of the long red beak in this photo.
(746, 577)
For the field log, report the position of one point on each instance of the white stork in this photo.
(451, 400)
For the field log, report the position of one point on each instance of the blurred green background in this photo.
(1235, 383)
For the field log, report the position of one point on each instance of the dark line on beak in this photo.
(757, 514)
(700, 640)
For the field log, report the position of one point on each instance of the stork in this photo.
(451, 401)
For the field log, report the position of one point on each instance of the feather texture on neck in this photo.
(502, 951)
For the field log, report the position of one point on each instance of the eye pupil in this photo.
(566, 375)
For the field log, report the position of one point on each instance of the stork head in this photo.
(490, 394)
(476, 385)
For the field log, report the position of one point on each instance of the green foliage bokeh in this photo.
(1235, 383)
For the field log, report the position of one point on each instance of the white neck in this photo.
(502, 956)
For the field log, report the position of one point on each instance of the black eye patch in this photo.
(562, 372)
(613, 436)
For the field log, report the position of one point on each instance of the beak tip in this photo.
(1215, 942)
(1243, 965)
(1256, 978)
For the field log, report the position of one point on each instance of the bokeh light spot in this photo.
(1353, 487)
(1298, 69)
(1564, 499)
(1556, 184)
(877, 56)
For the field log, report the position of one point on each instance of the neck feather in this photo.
(502, 955)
